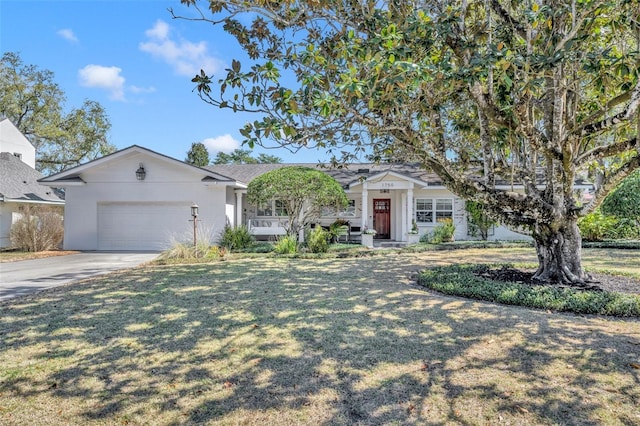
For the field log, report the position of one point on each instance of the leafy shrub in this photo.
(623, 201)
(287, 244)
(318, 240)
(39, 229)
(462, 280)
(338, 229)
(215, 252)
(598, 226)
(442, 233)
(235, 238)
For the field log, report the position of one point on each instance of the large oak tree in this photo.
(34, 102)
(531, 91)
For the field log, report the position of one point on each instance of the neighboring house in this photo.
(138, 199)
(19, 185)
(15, 143)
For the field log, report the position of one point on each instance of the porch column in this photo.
(403, 214)
(410, 206)
(365, 205)
(238, 209)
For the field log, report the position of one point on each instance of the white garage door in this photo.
(142, 226)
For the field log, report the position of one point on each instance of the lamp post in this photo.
(194, 215)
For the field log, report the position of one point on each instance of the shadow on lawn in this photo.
(329, 342)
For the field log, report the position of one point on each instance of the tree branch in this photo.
(604, 151)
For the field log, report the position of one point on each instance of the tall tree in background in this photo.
(198, 155)
(35, 104)
(243, 156)
(528, 91)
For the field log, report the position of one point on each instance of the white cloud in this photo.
(137, 89)
(107, 78)
(186, 58)
(225, 143)
(67, 34)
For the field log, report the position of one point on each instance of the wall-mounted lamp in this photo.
(141, 172)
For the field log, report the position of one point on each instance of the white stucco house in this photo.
(19, 187)
(138, 199)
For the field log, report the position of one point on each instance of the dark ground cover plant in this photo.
(510, 286)
(614, 244)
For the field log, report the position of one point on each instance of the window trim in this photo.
(434, 210)
(273, 207)
(349, 211)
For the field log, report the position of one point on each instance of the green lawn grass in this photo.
(310, 341)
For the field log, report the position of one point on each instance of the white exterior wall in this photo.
(459, 215)
(7, 210)
(115, 181)
(503, 233)
(13, 141)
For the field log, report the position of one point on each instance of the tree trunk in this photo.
(559, 250)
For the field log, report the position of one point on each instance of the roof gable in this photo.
(19, 182)
(75, 173)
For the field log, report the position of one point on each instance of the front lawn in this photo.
(310, 341)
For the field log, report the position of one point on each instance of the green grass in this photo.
(309, 341)
(463, 280)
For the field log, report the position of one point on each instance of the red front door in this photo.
(382, 217)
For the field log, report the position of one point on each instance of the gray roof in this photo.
(345, 175)
(19, 182)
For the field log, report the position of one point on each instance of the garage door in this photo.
(142, 226)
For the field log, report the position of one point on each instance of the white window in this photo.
(272, 208)
(280, 208)
(265, 209)
(432, 210)
(424, 210)
(331, 211)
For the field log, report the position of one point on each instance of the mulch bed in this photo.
(613, 283)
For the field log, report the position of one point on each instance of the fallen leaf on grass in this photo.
(227, 384)
(411, 408)
(522, 409)
(424, 366)
(635, 365)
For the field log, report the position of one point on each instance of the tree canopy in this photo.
(302, 191)
(198, 155)
(31, 99)
(243, 156)
(483, 93)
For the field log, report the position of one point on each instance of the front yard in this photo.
(311, 341)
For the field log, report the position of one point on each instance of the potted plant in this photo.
(367, 237)
(413, 236)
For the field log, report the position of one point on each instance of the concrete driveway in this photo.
(29, 276)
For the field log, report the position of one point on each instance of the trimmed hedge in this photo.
(461, 280)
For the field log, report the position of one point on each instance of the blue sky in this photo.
(134, 59)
